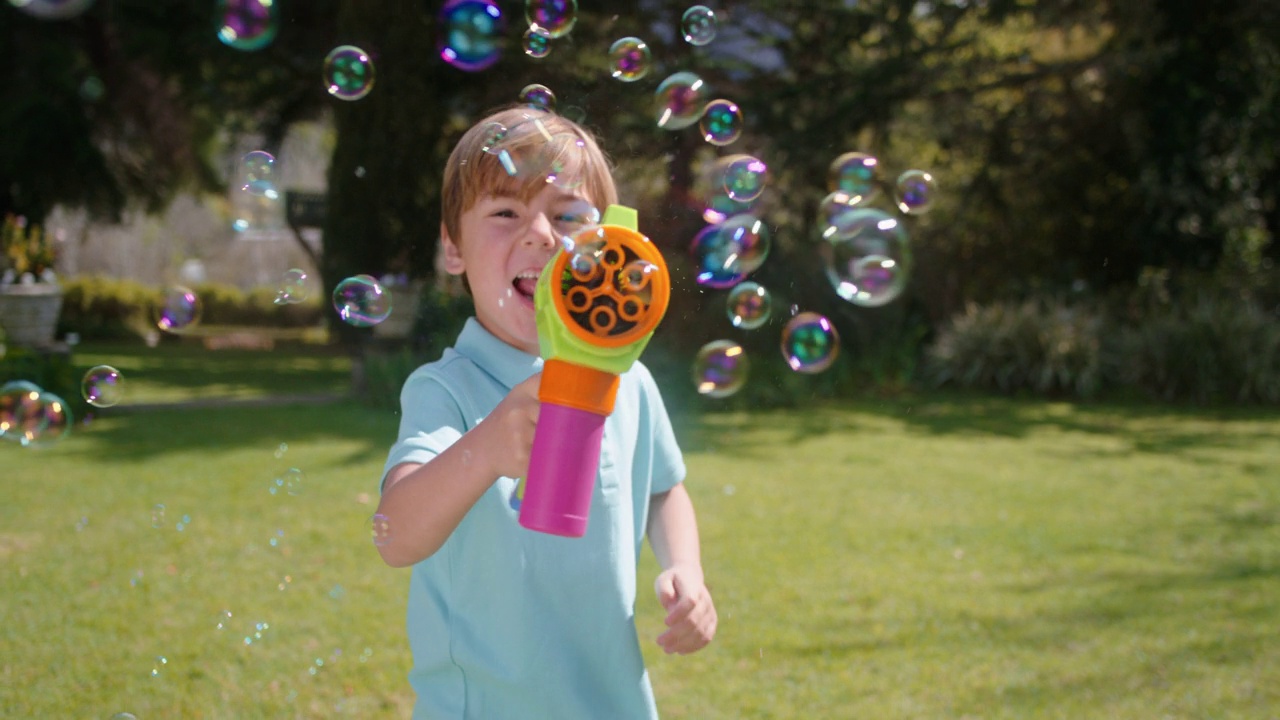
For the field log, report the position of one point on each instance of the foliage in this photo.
(25, 250)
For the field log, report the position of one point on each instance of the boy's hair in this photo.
(540, 146)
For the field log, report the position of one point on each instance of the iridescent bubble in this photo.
(159, 666)
(748, 305)
(832, 207)
(679, 101)
(629, 59)
(721, 122)
(744, 177)
(52, 9)
(471, 33)
(281, 449)
(17, 399)
(43, 421)
(575, 217)
(222, 621)
(293, 287)
(256, 174)
(810, 343)
(698, 25)
(914, 191)
(856, 235)
(179, 309)
(293, 481)
(157, 516)
(247, 24)
(720, 368)
(495, 134)
(710, 251)
(538, 97)
(721, 207)
(102, 386)
(276, 540)
(348, 72)
(361, 301)
(380, 529)
(746, 241)
(557, 17)
(537, 42)
(856, 174)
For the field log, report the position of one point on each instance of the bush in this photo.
(1044, 347)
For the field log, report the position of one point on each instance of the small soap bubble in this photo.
(82, 523)
(380, 529)
(698, 25)
(360, 172)
(679, 101)
(495, 134)
(337, 592)
(744, 177)
(102, 386)
(745, 242)
(710, 252)
(537, 42)
(183, 523)
(362, 301)
(856, 174)
(284, 583)
(124, 716)
(136, 580)
(157, 669)
(247, 24)
(810, 343)
(222, 621)
(293, 287)
(636, 276)
(281, 449)
(348, 72)
(748, 305)
(366, 654)
(914, 191)
(293, 481)
(471, 34)
(720, 368)
(557, 17)
(256, 173)
(721, 122)
(629, 59)
(92, 89)
(52, 9)
(157, 516)
(856, 236)
(539, 97)
(179, 309)
(276, 540)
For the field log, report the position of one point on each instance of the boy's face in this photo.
(505, 244)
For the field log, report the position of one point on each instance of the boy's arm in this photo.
(424, 503)
(681, 587)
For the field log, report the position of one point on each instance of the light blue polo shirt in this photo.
(506, 623)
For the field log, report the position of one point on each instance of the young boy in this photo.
(507, 623)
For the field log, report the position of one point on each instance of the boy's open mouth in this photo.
(525, 283)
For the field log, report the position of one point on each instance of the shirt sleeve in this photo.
(657, 442)
(430, 421)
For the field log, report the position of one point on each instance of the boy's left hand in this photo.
(691, 616)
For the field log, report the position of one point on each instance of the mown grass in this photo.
(939, 557)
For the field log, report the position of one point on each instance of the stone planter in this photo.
(29, 313)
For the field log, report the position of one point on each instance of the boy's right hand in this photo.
(509, 429)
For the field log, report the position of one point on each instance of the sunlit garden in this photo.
(969, 329)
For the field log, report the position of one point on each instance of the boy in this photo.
(506, 623)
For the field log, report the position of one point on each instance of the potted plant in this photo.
(30, 297)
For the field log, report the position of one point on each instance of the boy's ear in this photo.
(452, 256)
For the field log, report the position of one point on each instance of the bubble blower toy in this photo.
(596, 305)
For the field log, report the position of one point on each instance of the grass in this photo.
(931, 557)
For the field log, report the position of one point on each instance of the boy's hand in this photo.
(509, 429)
(691, 616)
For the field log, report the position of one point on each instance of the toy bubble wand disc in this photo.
(596, 305)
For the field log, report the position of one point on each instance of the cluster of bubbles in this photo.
(32, 416)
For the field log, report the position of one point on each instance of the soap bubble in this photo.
(720, 368)
(855, 236)
(557, 17)
(293, 478)
(471, 33)
(698, 25)
(380, 529)
(102, 386)
(832, 207)
(748, 305)
(124, 716)
(721, 207)
(856, 174)
(348, 72)
(679, 100)
(810, 343)
(52, 9)
(247, 24)
(222, 620)
(157, 516)
(256, 174)
(629, 59)
(293, 287)
(721, 122)
(538, 97)
(710, 251)
(537, 42)
(746, 241)
(159, 666)
(17, 397)
(744, 177)
(178, 310)
(44, 421)
(914, 191)
(361, 301)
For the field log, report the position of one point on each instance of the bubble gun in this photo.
(596, 305)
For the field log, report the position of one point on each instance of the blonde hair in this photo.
(547, 147)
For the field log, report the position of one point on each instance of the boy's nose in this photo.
(540, 233)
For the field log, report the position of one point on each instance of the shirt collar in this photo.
(506, 364)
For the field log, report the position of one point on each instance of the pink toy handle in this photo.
(562, 470)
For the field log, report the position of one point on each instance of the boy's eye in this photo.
(505, 213)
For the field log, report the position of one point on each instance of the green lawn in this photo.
(936, 557)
